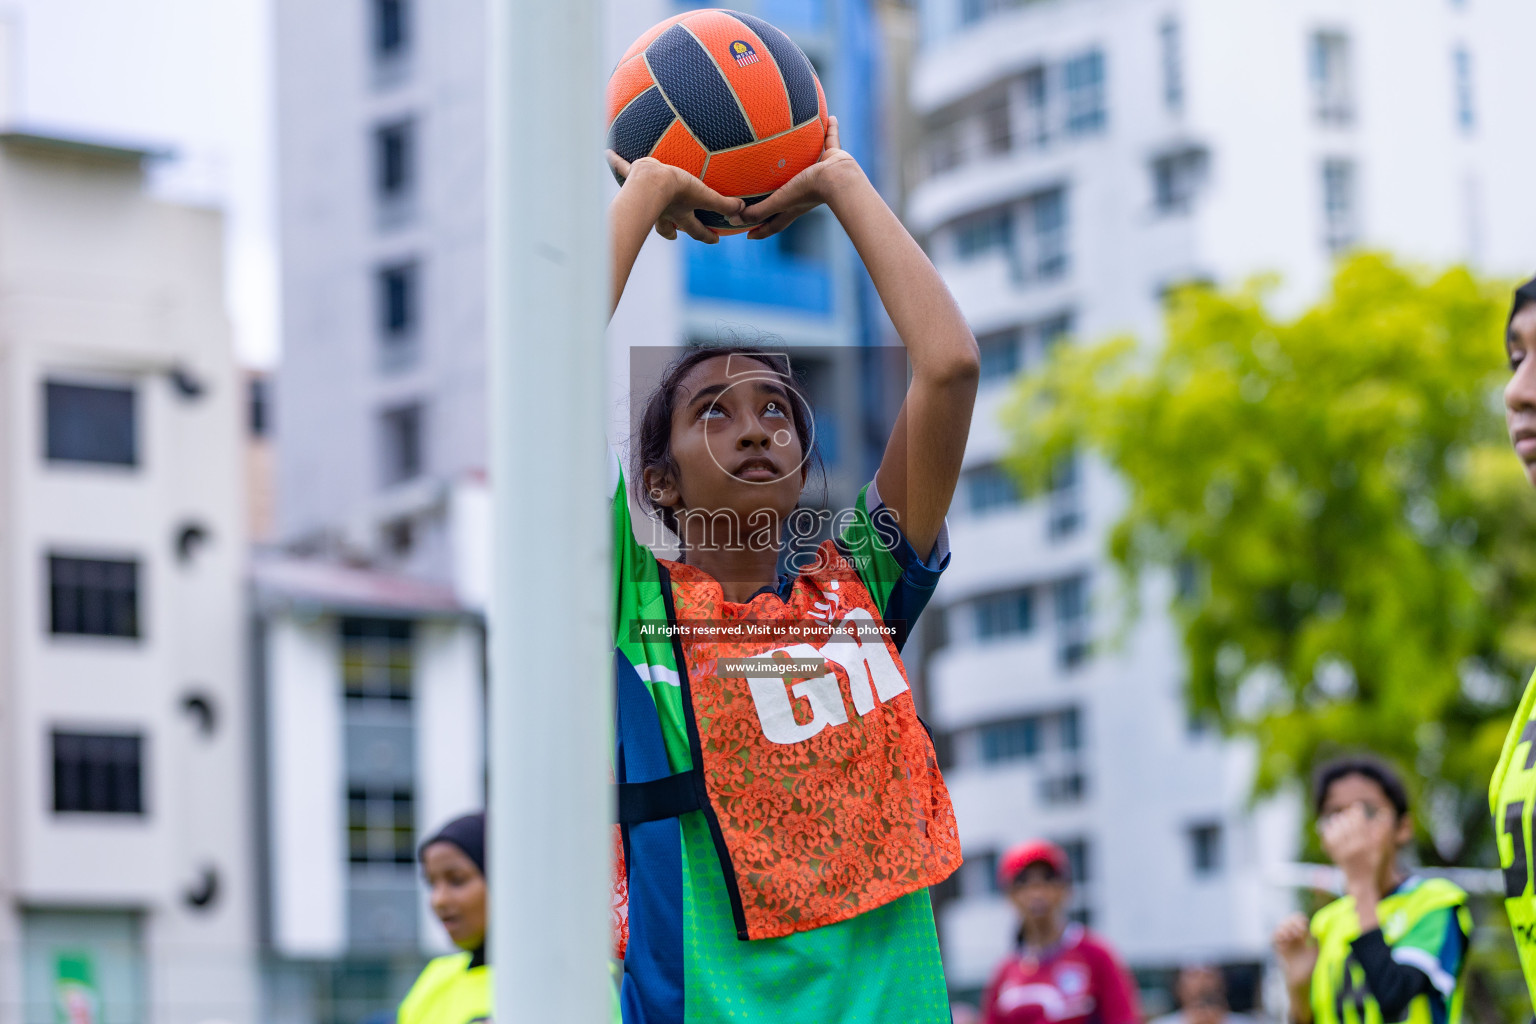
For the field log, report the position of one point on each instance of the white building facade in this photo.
(1081, 157)
(127, 888)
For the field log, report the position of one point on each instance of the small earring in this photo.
(656, 493)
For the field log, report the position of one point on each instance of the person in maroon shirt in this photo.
(1059, 972)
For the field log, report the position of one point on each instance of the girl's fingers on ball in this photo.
(762, 212)
(725, 206)
(832, 142)
(697, 230)
(768, 228)
(618, 164)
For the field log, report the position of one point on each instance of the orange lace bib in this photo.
(824, 794)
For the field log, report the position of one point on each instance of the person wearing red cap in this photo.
(1059, 972)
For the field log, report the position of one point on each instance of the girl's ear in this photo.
(1404, 834)
(661, 490)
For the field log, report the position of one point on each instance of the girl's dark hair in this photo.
(653, 443)
(1524, 296)
(1366, 766)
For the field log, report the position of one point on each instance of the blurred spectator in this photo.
(1393, 948)
(456, 988)
(1201, 990)
(1058, 972)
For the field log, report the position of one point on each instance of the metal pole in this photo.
(551, 661)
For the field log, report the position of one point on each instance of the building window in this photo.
(994, 118)
(990, 488)
(1070, 596)
(1045, 335)
(1069, 733)
(394, 153)
(403, 449)
(1205, 849)
(1332, 98)
(377, 659)
(1066, 500)
(1037, 252)
(1172, 52)
(1068, 788)
(1003, 615)
(984, 234)
(1077, 859)
(391, 28)
(981, 880)
(90, 424)
(1010, 741)
(1339, 214)
(1466, 112)
(943, 147)
(1085, 93)
(1037, 108)
(972, 11)
(1177, 179)
(1018, 739)
(398, 290)
(93, 597)
(258, 404)
(1002, 354)
(1046, 255)
(98, 774)
(1007, 352)
(381, 826)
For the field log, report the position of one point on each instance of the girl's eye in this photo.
(709, 411)
(774, 408)
(1515, 359)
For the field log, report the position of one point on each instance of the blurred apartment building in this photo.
(127, 884)
(371, 598)
(1079, 157)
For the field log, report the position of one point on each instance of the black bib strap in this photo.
(666, 797)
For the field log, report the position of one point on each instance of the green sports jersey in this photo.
(1511, 798)
(686, 960)
(1425, 923)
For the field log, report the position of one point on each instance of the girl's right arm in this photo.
(663, 196)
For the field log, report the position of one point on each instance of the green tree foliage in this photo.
(1360, 539)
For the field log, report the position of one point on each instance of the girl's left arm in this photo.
(921, 465)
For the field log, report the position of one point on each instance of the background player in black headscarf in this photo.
(455, 989)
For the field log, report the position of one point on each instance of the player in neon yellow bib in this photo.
(1393, 947)
(454, 989)
(1512, 793)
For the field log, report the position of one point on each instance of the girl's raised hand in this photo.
(1355, 840)
(1295, 949)
(677, 194)
(805, 191)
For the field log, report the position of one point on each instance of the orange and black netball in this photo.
(723, 95)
